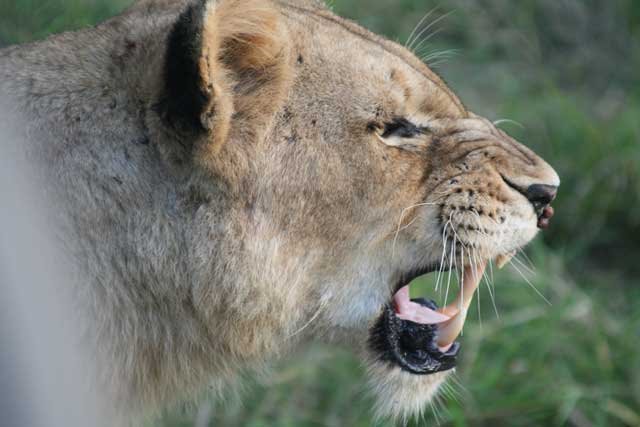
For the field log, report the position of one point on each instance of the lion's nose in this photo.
(541, 196)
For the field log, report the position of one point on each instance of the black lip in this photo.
(411, 346)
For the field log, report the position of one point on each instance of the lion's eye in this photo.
(402, 128)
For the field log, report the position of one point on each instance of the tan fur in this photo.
(240, 36)
(290, 218)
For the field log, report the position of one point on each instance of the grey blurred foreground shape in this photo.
(41, 365)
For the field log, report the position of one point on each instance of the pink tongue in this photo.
(414, 312)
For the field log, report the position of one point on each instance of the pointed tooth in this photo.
(502, 260)
(449, 331)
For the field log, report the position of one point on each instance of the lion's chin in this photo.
(399, 394)
(413, 346)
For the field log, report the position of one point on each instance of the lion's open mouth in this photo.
(449, 319)
(419, 337)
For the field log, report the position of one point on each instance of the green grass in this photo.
(568, 72)
(26, 20)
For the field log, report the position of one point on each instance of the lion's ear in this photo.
(221, 56)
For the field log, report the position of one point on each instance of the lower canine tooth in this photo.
(502, 260)
(449, 331)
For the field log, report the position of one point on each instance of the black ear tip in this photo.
(184, 99)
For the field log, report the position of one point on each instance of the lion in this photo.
(232, 179)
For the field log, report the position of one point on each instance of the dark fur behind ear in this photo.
(185, 96)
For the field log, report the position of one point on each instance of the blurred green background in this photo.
(565, 77)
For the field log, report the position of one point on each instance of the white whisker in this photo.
(475, 264)
(451, 260)
(531, 284)
(523, 265)
(324, 303)
(526, 257)
(491, 271)
(439, 57)
(436, 64)
(425, 39)
(425, 29)
(448, 53)
(409, 39)
(444, 250)
(399, 229)
(488, 279)
(462, 281)
(491, 294)
(501, 121)
(457, 272)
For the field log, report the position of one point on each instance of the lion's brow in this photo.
(363, 35)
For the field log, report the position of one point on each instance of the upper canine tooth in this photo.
(470, 282)
(449, 330)
(502, 260)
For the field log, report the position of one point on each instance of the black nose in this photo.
(541, 195)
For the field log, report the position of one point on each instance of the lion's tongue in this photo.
(451, 318)
(409, 310)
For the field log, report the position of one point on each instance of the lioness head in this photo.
(329, 167)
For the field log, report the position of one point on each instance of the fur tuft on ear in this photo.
(214, 45)
(244, 33)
